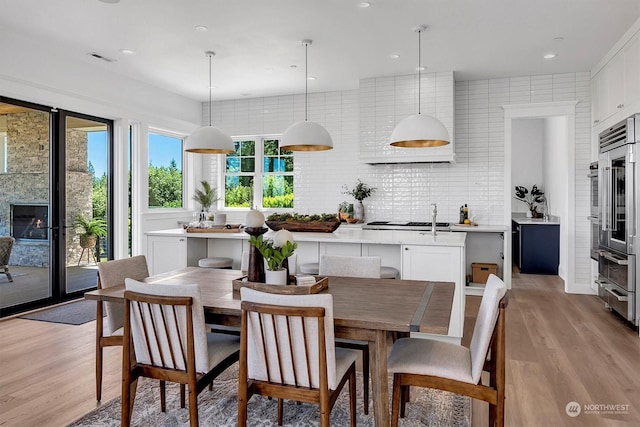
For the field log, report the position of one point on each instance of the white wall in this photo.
(526, 157)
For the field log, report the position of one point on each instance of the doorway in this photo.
(47, 181)
(556, 170)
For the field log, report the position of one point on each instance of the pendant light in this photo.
(209, 139)
(419, 130)
(306, 135)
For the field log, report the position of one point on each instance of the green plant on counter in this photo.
(274, 255)
(360, 192)
(206, 197)
(531, 199)
(325, 217)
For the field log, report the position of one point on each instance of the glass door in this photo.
(26, 233)
(87, 205)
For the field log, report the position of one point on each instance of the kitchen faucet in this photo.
(433, 221)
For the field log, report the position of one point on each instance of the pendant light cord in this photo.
(210, 89)
(419, 68)
(306, 81)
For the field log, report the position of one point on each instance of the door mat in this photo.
(75, 313)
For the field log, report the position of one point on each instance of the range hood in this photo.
(390, 155)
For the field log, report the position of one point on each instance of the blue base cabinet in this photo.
(536, 248)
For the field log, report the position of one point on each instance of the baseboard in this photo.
(579, 288)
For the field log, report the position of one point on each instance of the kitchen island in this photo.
(418, 255)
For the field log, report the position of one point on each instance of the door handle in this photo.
(609, 256)
(617, 295)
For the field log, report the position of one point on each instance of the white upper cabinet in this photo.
(616, 87)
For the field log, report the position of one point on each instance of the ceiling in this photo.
(257, 41)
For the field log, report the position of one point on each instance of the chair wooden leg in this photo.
(365, 378)
(352, 398)
(182, 395)
(280, 411)
(163, 396)
(193, 404)
(6, 271)
(99, 332)
(403, 400)
(395, 403)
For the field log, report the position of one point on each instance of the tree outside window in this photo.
(259, 163)
(165, 171)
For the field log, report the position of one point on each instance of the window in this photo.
(165, 171)
(258, 170)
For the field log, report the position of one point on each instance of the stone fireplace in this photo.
(24, 188)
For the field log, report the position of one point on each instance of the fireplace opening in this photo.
(30, 222)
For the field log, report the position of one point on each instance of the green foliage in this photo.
(285, 201)
(325, 217)
(95, 226)
(237, 197)
(165, 186)
(99, 196)
(274, 255)
(360, 192)
(531, 199)
(206, 197)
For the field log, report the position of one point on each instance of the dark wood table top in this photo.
(371, 304)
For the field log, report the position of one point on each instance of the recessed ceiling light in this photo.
(293, 66)
(550, 56)
(268, 69)
(394, 56)
(364, 4)
(201, 28)
(558, 39)
(212, 87)
(311, 78)
(110, 1)
(245, 94)
(127, 52)
(421, 68)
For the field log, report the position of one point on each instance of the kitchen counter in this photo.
(479, 228)
(533, 221)
(346, 235)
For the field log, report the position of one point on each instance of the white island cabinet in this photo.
(438, 263)
(418, 255)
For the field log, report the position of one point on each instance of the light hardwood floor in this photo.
(560, 348)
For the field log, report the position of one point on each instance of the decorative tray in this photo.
(313, 226)
(229, 228)
(322, 283)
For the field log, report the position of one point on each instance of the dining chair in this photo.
(455, 368)
(165, 338)
(287, 351)
(113, 273)
(6, 245)
(353, 266)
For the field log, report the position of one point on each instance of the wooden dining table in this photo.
(364, 309)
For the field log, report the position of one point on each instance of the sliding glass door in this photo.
(54, 177)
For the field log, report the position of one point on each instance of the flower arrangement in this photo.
(275, 250)
(530, 198)
(360, 192)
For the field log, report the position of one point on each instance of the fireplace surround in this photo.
(30, 221)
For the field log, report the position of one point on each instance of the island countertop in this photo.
(346, 235)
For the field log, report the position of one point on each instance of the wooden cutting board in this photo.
(213, 230)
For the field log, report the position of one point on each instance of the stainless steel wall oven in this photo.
(617, 216)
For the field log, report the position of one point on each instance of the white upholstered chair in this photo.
(287, 351)
(455, 368)
(113, 273)
(165, 338)
(353, 266)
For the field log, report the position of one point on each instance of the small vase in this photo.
(358, 211)
(277, 277)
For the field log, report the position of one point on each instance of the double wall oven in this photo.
(617, 210)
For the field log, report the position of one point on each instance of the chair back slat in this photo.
(494, 291)
(283, 336)
(161, 328)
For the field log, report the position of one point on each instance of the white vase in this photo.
(277, 277)
(358, 211)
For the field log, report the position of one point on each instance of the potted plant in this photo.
(90, 231)
(275, 251)
(530, 198)
(360, 192)
(206, 197)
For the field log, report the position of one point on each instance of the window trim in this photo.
(183, 160)
(258, 174)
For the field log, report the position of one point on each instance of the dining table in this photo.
(364, 309)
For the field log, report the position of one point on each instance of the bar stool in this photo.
(216, 262)
(386, 272)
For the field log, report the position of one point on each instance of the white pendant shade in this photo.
(209, 140)
(419, 131)
(306, 136)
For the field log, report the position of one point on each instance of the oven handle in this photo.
(617, 295)
(612, 258)
(604, 191)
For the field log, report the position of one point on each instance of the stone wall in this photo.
(27, 181)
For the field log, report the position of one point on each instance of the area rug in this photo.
(74, 313)
(219, 408)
